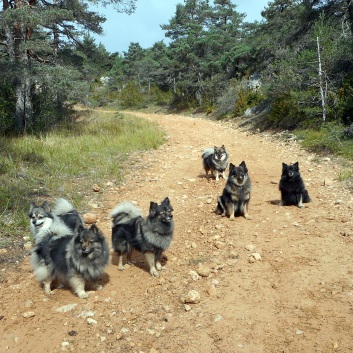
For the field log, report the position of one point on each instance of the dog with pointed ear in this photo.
(291, 186)
(235, 198)
(151, 235)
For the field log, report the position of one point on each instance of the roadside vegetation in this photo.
(67, 162)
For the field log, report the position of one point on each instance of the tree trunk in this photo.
(322, 94)
(350, 14)
(23, 119)
(15, 39)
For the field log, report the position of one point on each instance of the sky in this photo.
(143, 26)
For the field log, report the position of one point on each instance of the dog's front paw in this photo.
(159, 267)
(154, 272)
(301, 206)
(83, 295)
(99, 287)
(47, 289)
(246, 216)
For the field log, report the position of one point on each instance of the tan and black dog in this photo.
(236, 194)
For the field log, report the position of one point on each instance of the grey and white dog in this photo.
(215, 160)
(150, 236)
(42, 217)
(76, 257)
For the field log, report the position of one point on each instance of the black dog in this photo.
(292, 187)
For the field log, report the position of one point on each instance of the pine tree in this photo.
(33, 33)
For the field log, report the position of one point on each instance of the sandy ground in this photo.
(296, 297)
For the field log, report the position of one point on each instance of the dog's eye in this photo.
(40, 217)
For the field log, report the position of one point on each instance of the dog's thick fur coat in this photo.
(75, 257)
(215, 160)
(235, 198)
(150, 236)
(42, 217)
(292, 187)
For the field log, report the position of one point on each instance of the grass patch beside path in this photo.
(66, 163)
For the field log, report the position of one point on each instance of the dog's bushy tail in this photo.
(306, 197)
(68, 214)
(62, 206)
(57, 230)
(124, 213)
(207, 152)
(220, 209)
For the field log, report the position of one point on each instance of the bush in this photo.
(156, 96)
(131, 97)
(237, 99)
(329, 138)
(284, 113)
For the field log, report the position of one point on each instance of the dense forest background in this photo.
(294, 68)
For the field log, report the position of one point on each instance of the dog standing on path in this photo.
(215, 160)
(151, 235)
(77, 258)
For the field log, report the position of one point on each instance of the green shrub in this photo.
(329, 138)
(156, 96)
(131, 96)
(284, 113)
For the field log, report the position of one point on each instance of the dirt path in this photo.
(297, 298)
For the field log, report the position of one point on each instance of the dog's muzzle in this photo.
(36, 224)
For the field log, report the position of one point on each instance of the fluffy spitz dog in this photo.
(292, 187)
(42, 217)
(150, 236)
(235, 198)
(215, 160)
(76, 257)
